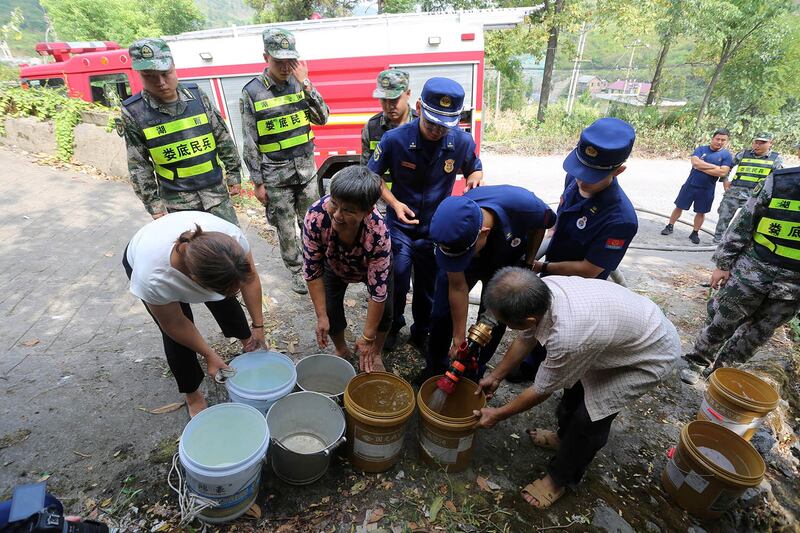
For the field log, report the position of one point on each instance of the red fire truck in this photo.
(344, 57)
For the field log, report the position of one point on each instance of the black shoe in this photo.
(424, 375)
(694, 237)
(524, 372)
(391, 340)
(420, 342)
(667, 230)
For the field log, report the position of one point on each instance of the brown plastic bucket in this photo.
(710, 468)
(377, 406)
(447, 438)
(737, 400)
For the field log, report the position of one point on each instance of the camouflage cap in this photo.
(279, 43)
(391, 84)
(763, 136)
(150, 54)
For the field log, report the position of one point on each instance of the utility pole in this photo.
(576, 70)
(497, 99)
(633, 46)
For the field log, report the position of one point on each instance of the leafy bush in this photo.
(46, 104)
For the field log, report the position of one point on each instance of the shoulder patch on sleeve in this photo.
(758, 188)
(377, 155)
(615, 244)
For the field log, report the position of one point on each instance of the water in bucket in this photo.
(266, 376)
(437, 401)
(211, 444)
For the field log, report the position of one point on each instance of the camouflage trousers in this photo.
(733, 199)
(215, 200)
(286, 210)
(742, 315)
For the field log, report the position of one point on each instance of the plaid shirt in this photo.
(617, 343)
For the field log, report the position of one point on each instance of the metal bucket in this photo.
(305, 428)
(326, 374)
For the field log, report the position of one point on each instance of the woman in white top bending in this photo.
(194, 257)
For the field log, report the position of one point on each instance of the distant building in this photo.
(609, 102)
(591, 84)
(631, 87)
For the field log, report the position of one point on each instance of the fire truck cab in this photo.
(344, 58)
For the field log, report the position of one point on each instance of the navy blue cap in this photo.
(442, 101)
(454, 229)
(603, 147)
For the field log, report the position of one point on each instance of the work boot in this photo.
(716, 240)
(667, 230)
(391, 340)
(299, 284)
(523, 373)
(693, 373)
(694, 237)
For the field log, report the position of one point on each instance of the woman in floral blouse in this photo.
(346, 241)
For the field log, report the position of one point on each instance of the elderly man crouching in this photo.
(606, 346)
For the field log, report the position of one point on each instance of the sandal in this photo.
(544, 438)
(224, 374)
(544, 497)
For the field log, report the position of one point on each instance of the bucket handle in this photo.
(326, 452)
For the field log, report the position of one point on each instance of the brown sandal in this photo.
(544, 497)
(544, 438)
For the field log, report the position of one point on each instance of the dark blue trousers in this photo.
(442, 324)
(413, 253)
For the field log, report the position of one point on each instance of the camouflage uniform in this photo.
(289, 179)
(736, 196)
(758, 298)
(391, 84)
(214, 199)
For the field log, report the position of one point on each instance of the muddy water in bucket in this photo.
(377, 405)
(710, 468)
(737, 400)
(447, 433)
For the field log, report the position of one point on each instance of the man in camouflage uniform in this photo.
(752, 166)
(393, 92)
(175, 140)
(757, 274)
(278, 108)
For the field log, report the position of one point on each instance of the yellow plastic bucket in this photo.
(710, 468)
(377, 406)
(737, 400)
(447, 438)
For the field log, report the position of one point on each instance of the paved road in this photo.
(78, 354)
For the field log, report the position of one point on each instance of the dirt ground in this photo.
(621, 491)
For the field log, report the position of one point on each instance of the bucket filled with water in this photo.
(326, 374)
(447, 424)
(377, 405)
(306, 427)
(261, 379)
(737, 400)
(221, 451)
(710, 468)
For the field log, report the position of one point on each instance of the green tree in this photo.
(727, 26)
(121, 20)
(396, 6)
(288, 10)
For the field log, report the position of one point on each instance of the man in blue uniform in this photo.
(475, 235)
(596, 220)
(709, 163)
(423, 157)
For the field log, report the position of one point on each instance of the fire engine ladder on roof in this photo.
(491, 19)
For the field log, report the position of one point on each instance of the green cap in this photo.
(279, 43)
(150, 54)
(763, 136)
(391, 84)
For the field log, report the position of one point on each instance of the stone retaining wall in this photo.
(93, 144)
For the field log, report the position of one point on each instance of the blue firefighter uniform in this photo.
(517, 213)
(423, 173)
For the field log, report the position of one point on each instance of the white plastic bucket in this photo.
(261, 379)
(221, 450)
